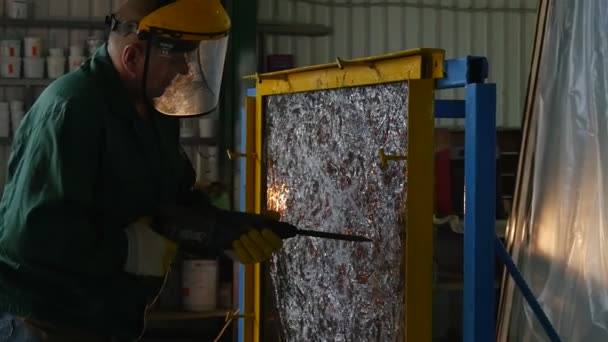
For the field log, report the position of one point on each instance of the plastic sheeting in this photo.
(323, 174)
(560, 236)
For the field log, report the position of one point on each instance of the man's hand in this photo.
(250, 238)
(255, 246)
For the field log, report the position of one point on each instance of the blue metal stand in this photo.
(480, 241)
(243, 207)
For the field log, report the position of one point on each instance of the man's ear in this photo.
(132, 59)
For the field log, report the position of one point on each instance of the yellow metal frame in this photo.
(420, 68)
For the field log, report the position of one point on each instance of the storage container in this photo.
(199, 284)
(33, 67)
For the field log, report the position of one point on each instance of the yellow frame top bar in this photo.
(393, 67)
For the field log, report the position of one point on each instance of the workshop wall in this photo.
(502, 30)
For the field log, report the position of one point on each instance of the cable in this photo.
(350, 4)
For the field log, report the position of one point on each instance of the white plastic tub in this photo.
(5, 123)
(33, 67)
(16, 118)
(10, 67)
(206, 127)
(16, 106)
(56, 52)
(18, 9)
(32, 46)
(76, 51)
(10, 48)
(199, 285)
(55, 66)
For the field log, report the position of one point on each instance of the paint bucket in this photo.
(32, 46)
(5, 123)
(206, 127)
(76, 51)
(75, 62)
(16, 106)
(213, 174)
(16, 118)
(10, 48)
(55, 66)
(18, 9)
(187, 128)
(10, 67)
(56, 52)
(199, 285)
(33, 67)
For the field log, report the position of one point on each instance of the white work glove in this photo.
(149, 253)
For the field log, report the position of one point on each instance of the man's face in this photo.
(163, 67)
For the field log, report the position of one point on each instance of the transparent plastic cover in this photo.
(196, 79)
(323, 174)
(560, 228)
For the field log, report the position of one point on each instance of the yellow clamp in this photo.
(232, 155)
(385, 158)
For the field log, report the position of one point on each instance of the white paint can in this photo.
(212, 170)
(56, 52)
(17, 106)
(18, 9)
(55, 66)
(5, 121)
(74, 62)
(199, 285)
(33, 67)
(32, 46)
(206, 127)
(10, 48)
(16, 118)
(187, 128)
(10, 67)
(76, 51)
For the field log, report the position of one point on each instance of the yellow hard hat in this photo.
(187, 20)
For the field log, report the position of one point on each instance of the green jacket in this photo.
(83, 166)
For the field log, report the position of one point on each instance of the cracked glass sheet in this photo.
(323, 173)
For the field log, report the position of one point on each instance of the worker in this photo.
(100, 195)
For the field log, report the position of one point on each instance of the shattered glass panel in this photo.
(323, 173)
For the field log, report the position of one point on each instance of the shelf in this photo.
(263, 26)
(27, 82)
(166, 315)
(194, 141)
(65, 23)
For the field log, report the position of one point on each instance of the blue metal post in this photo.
(243, 207)
(505, 257)
(480, 212)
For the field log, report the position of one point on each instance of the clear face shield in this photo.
(183, 78)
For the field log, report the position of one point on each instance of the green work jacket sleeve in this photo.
(55, 219)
